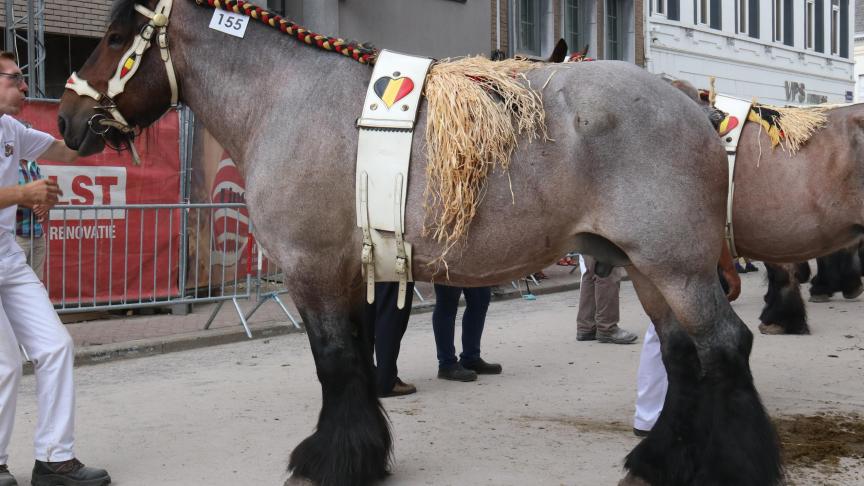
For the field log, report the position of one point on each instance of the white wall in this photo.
(859, 68)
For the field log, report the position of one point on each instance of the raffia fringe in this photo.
(478, 110)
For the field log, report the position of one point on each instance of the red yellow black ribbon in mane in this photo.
(361, 54)
(769, 119)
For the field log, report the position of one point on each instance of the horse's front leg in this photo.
(713, 430)
(351, 444)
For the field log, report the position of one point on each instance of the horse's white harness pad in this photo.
(386, 130)
(739, 109)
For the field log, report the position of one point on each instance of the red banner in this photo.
(225, 245)
(86, 248)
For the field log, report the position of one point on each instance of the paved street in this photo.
(560, 413)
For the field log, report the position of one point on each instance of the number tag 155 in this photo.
(229, 23)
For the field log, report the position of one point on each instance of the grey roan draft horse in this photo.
(635, 176)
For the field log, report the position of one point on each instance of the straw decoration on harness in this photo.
(477, 109)
(791, 125)
(358, 52)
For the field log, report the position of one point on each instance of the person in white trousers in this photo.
(651, 384)
(27, 317)
(651, 378)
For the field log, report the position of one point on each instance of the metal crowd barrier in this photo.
(132, 256)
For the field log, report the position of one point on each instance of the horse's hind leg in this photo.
(837, 272)
(713, 429)
(351, 444)
(784, 311)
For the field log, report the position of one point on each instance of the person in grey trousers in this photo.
(598, 316)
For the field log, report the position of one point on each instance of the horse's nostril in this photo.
(61, 125)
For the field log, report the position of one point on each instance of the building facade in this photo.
(780, 51)
(72, 29)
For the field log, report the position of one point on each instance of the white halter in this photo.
(126, 68)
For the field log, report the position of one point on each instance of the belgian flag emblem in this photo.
(727, 125)
(391, 90)
(127, 66)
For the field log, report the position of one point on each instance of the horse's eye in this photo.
(115, 40)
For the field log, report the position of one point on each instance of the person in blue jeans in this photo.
(470, 363)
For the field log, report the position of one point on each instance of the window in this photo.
(809, 24)
(573, 30)
(527, 25)
(840, 28)
(753, 18)
(844, 28)
(613, 30)
(703, 12)
(778, 20)
(835, 27)
(673, 10)
(667, 8)
(782, 26)
(819, 34)
(276, 6)
(743, 9)
(708, 13)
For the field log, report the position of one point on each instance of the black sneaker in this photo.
(456, 373)
(68, 473)
(6, 478)
(481, 367)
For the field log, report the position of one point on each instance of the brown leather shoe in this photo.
(400, 388)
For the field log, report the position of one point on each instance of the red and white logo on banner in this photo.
(230, 225)
(87, 186)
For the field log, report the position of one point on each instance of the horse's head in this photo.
(125, 85)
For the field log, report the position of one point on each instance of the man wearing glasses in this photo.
(26, 314)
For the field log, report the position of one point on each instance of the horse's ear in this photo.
(560, 51)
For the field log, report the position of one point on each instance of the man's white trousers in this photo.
(651, 382)
(28, 318)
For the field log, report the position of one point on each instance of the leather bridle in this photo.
(108, 116)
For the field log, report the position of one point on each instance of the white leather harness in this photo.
(126, 68)
(386, 130)
(740, 109)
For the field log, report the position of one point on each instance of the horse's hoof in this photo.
(820, 298)
(631, 480)
(853, 294)
(292, 481)
(771, 329)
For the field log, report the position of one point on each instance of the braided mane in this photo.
(124, 12)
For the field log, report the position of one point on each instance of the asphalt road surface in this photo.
(560, 414)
